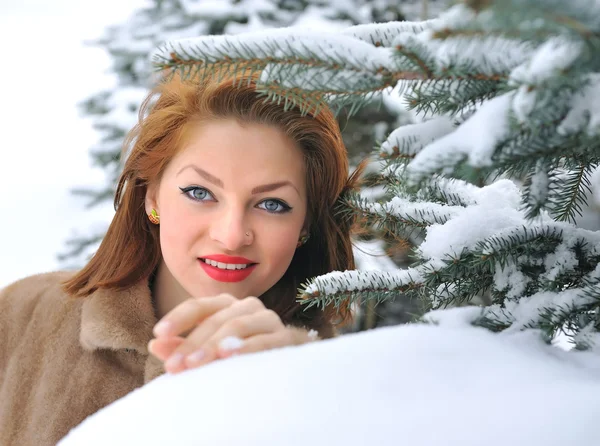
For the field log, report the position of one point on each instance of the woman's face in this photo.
(234, 196)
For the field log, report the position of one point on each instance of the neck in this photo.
(166, 291)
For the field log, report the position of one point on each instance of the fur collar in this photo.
(121, 320)
(118, 319)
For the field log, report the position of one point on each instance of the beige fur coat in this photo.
(62, 359)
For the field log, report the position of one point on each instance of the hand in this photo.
(208, 321)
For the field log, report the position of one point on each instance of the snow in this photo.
(411, 138)
(588, 336)
(212, 9)
(585, 110)
(511, 279)
(439, 384)
(313, 17)
(371, 256)
(394, 100)
(528, 310)
(551, 58)
(281, 44)
(457, 191)
(488, 55)
(595, 186)
(123, 108)
(523, 103)
(562, 259)
(476, 139)
(414, 10)
(539, 186)
(383, 34)
(495, 210)
(345, 64)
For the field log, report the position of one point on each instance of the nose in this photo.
(229, 228)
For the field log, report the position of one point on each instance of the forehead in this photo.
(232, 149)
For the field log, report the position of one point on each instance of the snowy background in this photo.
(48, 69)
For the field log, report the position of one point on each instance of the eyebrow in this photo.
(257, 190)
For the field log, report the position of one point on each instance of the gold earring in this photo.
(154, 217)
(302, 240)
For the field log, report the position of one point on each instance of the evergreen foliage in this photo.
(508, 91)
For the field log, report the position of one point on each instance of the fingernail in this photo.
(162, 328)
(175, 361)
(196, 357)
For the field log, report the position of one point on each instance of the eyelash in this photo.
(186, 191)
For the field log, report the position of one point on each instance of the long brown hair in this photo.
(130, 250)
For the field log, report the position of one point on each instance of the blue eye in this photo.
(275, 206)
(197, 193)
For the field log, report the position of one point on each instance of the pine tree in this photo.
(508, 91)
(129, 44)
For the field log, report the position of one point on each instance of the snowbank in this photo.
(413, 385)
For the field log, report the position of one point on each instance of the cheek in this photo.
(279, 247)
(177, 233)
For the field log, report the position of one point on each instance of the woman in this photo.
(225, 206)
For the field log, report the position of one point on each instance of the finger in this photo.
(162, 348)
(288, 337)
(196, 339)
(242, 327)
(189, 313)
(259, 343)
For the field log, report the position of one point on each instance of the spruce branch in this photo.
(449, 191)
(514, 243)
(536, 189)
(547, 311)
(458, 281)
(525, 19)
(383, 34)
(350, 287)
(398, 217)
(517, 84)
(568, 192)
(586, 335)
(453, 96)
(341, 69)
(406, 141)
(326, 51)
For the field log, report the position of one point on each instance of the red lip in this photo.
(228, 259)
(226, 275)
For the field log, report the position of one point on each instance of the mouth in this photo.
(226, 272)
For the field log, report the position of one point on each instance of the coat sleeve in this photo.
(18, 302)
(3, 333)
(10, 309)
(6, 328)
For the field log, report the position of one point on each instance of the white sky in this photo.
(46, 70)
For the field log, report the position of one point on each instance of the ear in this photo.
(305, 230)
(150, 201)
(306, 225)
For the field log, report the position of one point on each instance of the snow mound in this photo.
(417, 385)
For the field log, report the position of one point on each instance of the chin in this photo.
(214, 289)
